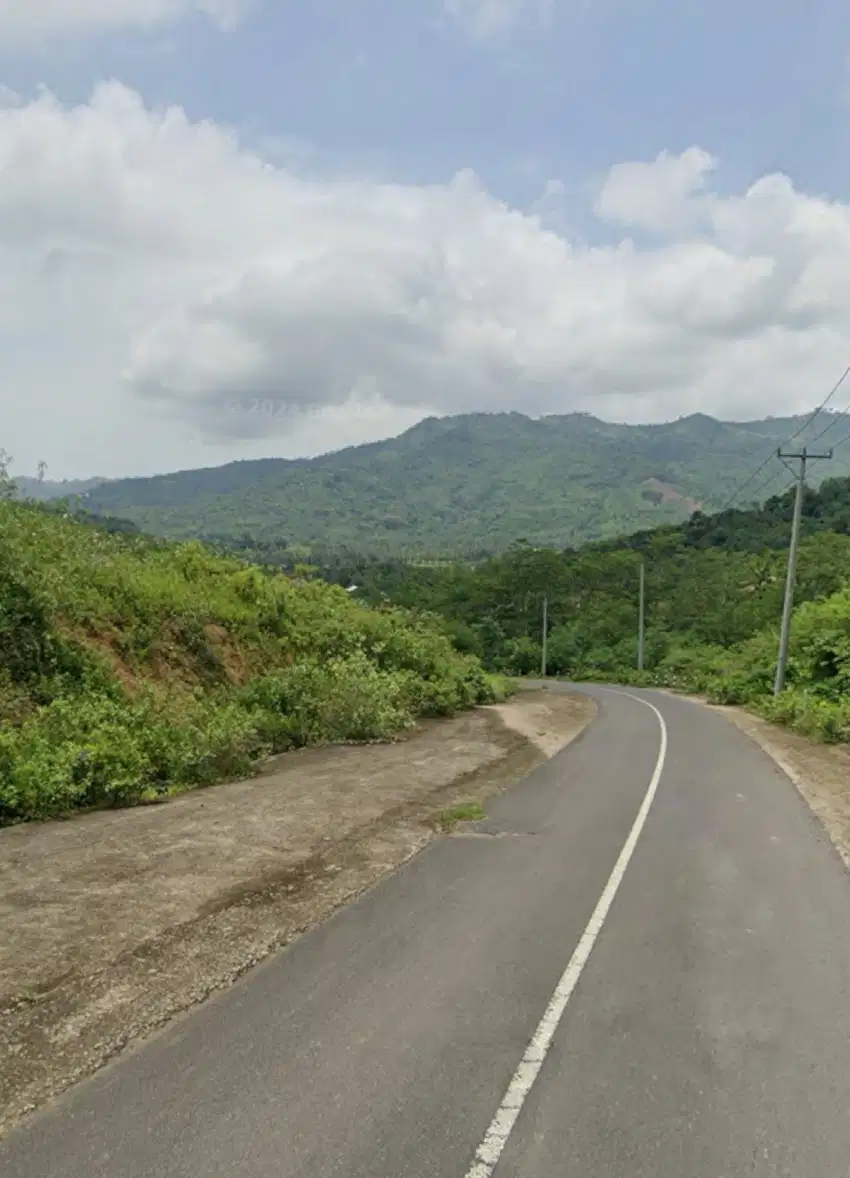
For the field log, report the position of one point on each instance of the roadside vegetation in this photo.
(714, 595)
(447, 820)
(132, 668)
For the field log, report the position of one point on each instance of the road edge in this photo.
(749, 725)
(355, 871)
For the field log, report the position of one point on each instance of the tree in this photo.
(8, 490)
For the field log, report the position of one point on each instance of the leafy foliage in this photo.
(132, 667)
(8, 487)
(714, 595)
(467, 485)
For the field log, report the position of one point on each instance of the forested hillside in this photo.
(44, 490)
(714, 595)
(468, 485)
(131, 667)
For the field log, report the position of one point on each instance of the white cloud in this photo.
(486, 19)
(39, 20)
(660, 196)
(168, 299)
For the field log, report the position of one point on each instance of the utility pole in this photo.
(803, 457)
(642, 616)
(543, 659)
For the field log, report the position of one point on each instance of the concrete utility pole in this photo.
(803, 457)
(543, 659)
(642, 617)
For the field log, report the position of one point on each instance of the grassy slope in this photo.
(130, 668)
(466, 485)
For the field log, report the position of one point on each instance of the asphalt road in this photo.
(696, 941)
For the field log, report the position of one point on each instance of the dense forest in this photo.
(44, 490)
(463, 486)
(714, 588)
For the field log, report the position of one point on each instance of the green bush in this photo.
(811, 715)
(524, 656)
(342, 699)
(184, 626)
(93, 750)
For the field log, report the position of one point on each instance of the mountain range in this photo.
(469, 485)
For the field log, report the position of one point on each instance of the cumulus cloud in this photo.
(662, 196)
(163, 289)
(31, 20)
(486, 19)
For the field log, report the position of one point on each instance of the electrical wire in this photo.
(831, 424)
(773, 475)
(761, 492)
(845, 437)
(737, 492)
(816, 412)
(791, 437)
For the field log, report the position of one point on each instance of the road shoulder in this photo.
(112, 924)
(821, 772)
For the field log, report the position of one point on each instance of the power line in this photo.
(844, 437)
(841, 415)
(832, 423)
(820, 408)
(800, 429)
(736, 493)
(760, 492)
(788, 487)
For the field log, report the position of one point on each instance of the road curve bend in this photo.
(638, 965)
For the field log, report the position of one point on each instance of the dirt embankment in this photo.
(113, 923)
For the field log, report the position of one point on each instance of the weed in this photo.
(447, 820)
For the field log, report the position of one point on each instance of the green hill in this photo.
(466, 485)
(714, 590)
(43, 490)
(131, 668)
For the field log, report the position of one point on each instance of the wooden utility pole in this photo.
(544, 660)
(642, 616)
(803, 457)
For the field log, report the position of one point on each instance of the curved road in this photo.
(645, 973)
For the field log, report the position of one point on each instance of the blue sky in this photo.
(407, 90)
(398, 99)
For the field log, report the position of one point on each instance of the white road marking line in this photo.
(501, 1127)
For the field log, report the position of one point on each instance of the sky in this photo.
(240, 228)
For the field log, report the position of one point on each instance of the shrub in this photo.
(93, 750)
(809, 714)
(343, 699)
(120, 659)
